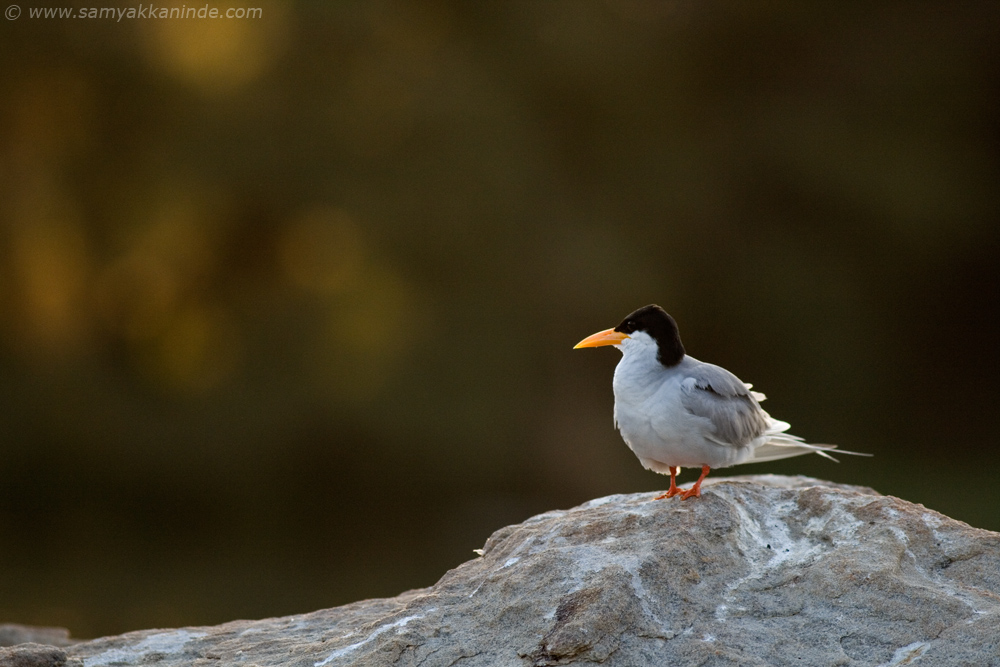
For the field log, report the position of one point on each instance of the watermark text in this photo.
(142, 12)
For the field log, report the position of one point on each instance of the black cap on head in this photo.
(655, 322)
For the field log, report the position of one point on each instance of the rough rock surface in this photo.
(760, 570)
(28, 654)
(12, 634)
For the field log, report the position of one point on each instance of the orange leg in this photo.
(696, 489)
(673, 490)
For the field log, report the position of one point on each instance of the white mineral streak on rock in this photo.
(166, 643)
(765, 539)
(907, 655)
(399, 623)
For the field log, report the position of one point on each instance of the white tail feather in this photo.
(786, 446)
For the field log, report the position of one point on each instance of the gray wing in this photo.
(717, 395)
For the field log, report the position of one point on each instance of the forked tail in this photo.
(784, 446)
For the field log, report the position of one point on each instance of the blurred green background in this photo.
(287, 304)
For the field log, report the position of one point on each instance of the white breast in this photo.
(651, 418)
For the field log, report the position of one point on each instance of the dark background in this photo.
(287, 304)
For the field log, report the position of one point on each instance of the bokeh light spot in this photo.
(221, 54)
(197, 351)
(322, 251)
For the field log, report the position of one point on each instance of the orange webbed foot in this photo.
(695, 490)
(673, 490)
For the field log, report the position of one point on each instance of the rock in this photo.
(761, 570)
(12, 633)
(34, 655)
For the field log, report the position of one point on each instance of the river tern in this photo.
(674, 411)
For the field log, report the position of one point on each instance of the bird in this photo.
(674, 411)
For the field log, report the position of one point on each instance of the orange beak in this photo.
(606, 337)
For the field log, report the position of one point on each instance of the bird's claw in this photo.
(693, 491)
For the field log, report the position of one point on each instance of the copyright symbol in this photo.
(12, 12)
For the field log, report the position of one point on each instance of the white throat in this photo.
(639, 345)
(639, 368)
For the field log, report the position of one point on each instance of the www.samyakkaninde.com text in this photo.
(145, 12)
